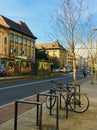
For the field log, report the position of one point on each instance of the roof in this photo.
(54, 45)
(20, 27)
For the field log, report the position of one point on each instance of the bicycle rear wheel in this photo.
(79, 102)
(50, 101)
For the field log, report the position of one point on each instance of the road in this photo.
(15, 90)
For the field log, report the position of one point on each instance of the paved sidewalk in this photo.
(75, 121)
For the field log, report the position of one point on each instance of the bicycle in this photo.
(78, 102)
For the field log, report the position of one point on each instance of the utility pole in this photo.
(96, 59)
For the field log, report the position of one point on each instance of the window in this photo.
(20, 39)
(11, 37)
(5, 50)
(16, 50)
(33, 42)
(20, 50)
(29, 42)
(5, 40)
(54, 53)
(29, 52)
(11, 49)
(16, 38)
(25, 52)
(25, 41)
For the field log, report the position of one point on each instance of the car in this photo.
(78, 70)
(88, 71)
(62, 69)
(56, 69)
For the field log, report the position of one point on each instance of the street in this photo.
(15, 90)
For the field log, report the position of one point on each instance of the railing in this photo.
(38, 119)
(57, 110)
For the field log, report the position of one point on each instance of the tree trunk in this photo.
(92, 75)
(74, 71)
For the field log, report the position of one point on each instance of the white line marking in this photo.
(14, 86)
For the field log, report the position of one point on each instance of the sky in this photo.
(36, 14)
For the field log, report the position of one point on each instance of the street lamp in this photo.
(95, 29)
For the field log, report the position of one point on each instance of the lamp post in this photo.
(96, 54)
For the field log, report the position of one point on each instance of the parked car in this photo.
(88, 71)
(63, 69)
(56, 69)
(78, 70)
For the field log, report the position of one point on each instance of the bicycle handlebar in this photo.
(63, 85)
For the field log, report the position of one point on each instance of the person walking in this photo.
(84, 73)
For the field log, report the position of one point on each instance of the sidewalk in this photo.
(75, 121)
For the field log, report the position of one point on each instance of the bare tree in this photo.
(68, 23)
(91, 47)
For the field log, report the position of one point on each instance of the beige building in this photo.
(17, 45)
(53, 50)
(64, 56)
(69, 59)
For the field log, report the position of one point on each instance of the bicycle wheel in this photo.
(50, 101)
(78, 102)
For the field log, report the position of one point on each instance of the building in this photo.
(69, 59)
(17, 46)
(65, 57)
(54, 50)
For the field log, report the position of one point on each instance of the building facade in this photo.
(65, 57)
(54, 50)
(17, 46)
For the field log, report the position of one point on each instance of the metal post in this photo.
(40, 126)
(60, 102)
(96, 59)
(57, 114)
(16, 113)
(67, 106)
(37, 119)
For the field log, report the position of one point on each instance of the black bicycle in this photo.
(78, 102)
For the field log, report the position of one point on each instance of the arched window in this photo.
(5, 40)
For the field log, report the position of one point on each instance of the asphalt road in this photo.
(15, 90)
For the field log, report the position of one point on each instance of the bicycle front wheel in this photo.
(79, 102)
(50, 101)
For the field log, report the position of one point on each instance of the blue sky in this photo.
(36, 14)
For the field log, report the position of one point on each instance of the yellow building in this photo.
(69, 59)
(17, 46)
(64, 56)
(53, 50)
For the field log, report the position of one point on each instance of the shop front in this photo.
(15, 66)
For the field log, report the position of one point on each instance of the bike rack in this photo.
(39, 114)
(61, 101)
(57, 111)
(67, 102)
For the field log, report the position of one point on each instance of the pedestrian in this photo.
(84, 73)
